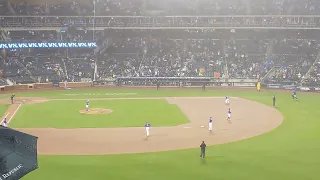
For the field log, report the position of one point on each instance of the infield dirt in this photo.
(95, 111)
(249, 119)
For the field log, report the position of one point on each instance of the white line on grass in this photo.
(15, 112)
(4, 117)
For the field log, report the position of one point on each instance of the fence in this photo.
(21, 87)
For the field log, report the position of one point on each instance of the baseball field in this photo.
(109, 141)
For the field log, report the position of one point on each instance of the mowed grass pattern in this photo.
(126, 113)
(290, 152)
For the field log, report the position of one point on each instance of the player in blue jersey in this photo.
(227, 100)
(229, 115)
(210, 124)
(294, 95)
(147, 126)
(5, 123)
(87, 105)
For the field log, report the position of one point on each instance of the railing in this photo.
(307, 75)
(162, 22)
(65, 68)
(184, 81)
(268, 74)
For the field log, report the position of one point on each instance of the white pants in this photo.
(227, 101)
(5, 124)
(148, 131)
(65, 84)
(229, 116)
(87, 106)
(210, 126)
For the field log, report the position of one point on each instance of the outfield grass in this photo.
(118, 93)
(126, 113)
(291, 152)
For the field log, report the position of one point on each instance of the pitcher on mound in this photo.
(87, 105)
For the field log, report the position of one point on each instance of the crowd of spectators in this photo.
(174, 53)
(167, 7)
(275, 55)
(314, 77)
(3, 82)
(293, 58)
(244, 55)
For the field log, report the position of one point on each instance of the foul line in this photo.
(15, 112)
(4, 117)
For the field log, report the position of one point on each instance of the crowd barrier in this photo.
(233, 83)
(76, 84)
(35, 86)
(292, 87)
(185, 81)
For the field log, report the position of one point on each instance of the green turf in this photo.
(126, 113)
(3, 109)
(291, 152)
(119, 93)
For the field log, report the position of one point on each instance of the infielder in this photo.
(227, 100)
(147, 126)
(210, 124)
(5, 123)
(87, 105)
(229, 115)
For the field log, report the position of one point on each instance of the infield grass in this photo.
(126, 113)
(290, 152)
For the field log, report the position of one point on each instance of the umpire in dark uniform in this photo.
(158, 85)
(12, 96)
(203, 86)
(274, 101)
(203, 149)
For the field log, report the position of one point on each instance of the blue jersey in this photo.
(147, 125)
(87, 103)
(210, 121)
(294, 93)
(5, 121)
(227, 97)
(229, 111)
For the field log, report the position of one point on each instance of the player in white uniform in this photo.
(65, 84)
(210, 124)
(227, 100)
(87, 105)
(5, 123)
(229, 115)
(147, 126)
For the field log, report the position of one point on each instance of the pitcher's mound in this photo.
(96, 111)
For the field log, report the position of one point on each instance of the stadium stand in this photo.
(276, 55)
